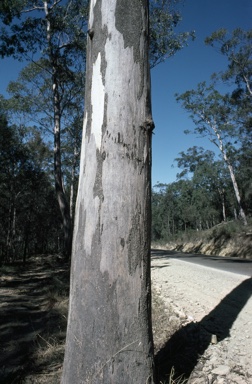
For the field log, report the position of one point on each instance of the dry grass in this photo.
(47, 346)
(174, 380)
(50, 345)
(34, 338)
(50, 352)
(164, 322)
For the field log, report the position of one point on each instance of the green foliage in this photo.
(225, 230)
(51, 87)
(164, 42)
(226, 119)
(237, 47)
(32, 100)
(212, 113)
(24, 36)
(26, 30)
(201, 199)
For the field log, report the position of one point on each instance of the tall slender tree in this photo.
(213, 117)
(28, 215)
(109, 337)
(32, 97)
(53, 30)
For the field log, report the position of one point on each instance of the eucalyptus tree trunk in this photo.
(59, 187)
(73, 178)
(11, 234)
(222, 196)
(109, 337)
(232, 175)
(237, 194)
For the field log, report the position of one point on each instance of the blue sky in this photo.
(184, 71)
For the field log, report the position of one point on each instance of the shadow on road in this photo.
(188, 344)
(161, 253)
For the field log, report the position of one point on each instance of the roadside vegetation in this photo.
(224, 239)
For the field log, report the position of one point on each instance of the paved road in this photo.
(229, 264)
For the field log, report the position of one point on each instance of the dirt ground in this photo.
(190, 305)
(33, 307)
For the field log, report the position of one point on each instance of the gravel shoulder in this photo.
(214, 341)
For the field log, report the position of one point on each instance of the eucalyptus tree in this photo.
(214, 118)
(10, 156)
(32, 97)
(164, 40)
(209, 179)
(237, 47)
(165, 213)
(226, 119)
(50, 34)
(27, 201)
(160, 213)
(109, 337)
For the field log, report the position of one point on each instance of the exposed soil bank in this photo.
(235, 245)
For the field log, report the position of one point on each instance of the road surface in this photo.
(229, 264)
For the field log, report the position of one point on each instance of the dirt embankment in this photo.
(221, 243)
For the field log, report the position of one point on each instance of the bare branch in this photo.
(55, 3)
(247, 84)
(32, 9)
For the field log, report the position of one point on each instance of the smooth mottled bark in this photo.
(232, 175)
(109, 337)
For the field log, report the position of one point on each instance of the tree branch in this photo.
(32, 9)
(247, 84)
